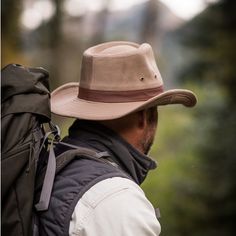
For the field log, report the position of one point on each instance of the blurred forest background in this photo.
(195, 183)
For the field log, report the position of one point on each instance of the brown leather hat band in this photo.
(118, 96)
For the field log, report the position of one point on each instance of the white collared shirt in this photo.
(114, 207)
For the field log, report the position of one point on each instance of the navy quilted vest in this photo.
(69, 186)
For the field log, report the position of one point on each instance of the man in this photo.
(115, 106)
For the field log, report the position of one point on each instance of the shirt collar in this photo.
(95, 135)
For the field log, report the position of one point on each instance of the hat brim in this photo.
(65, 102)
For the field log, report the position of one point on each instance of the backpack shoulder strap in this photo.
(55, 165)
(66, 157)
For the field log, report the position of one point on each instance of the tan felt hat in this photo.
(117, 78)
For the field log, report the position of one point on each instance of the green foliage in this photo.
(11, 41)
(211, 36)
(195, 184)
(174, 151)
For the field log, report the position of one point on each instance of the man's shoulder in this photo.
(70, 185)
(117, 201)
(108, 188)
(84, 178)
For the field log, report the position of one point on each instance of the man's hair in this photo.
(151, 115)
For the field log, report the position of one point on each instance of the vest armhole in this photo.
(116, 173)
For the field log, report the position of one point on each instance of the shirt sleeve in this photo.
(114, 207)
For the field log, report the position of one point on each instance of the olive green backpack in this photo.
(25, 107)
(28, 160)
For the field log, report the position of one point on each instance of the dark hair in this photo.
(152, 115)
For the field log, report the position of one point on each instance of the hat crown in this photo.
(119, 66)
(117, 78)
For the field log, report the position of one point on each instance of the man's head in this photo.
(137, 128)
(120, 86)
